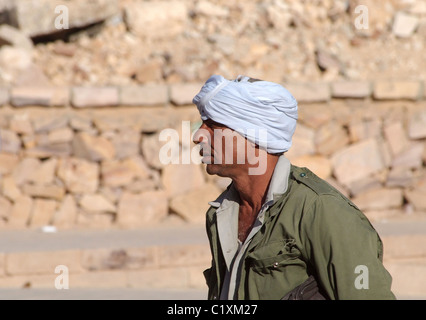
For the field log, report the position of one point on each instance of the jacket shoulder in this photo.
(311, 180)
(317, 185)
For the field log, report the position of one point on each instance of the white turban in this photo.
(249, 106)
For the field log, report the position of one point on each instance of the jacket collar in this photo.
(277, 187)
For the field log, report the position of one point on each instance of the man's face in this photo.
(223, 149)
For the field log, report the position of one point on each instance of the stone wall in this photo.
(88, 157)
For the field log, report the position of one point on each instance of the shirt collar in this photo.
(277, 187)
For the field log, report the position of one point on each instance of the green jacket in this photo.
(312, 229)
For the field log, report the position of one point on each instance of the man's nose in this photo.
(201, 135)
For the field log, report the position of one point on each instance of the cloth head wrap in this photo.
(248, 106)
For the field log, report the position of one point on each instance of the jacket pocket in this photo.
(274, 270)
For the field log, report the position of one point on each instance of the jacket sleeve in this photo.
(344, 250)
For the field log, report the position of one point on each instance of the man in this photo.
(278, 231)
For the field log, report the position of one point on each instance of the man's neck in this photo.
(252, 190)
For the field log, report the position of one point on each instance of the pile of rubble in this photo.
(120, 42)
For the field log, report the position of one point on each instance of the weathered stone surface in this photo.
(96, 203)
(393, 90)
(42, 212)
(182, 94)
(88, 97)
(357, 161)
(309, 92)
(21, 124)
(38, 96)
(411, 157)
(193, 205)
(123, 259)
(416, 194)
(50, 150)
(160, 19)
(396, 136)
(372, 182)
(178, 255)
(181, 178)
(5, 208)
(209, 9)
(47, 122)
(417, 125)
(122, 173)
(151, 147)
(10, 141)
(61, 135)
(399, 177)
(50, 191)
(146, 95)
(8, 162)
(330, 138)
(4, 96)
(315, 115)
(42, 17)
(93, 148)
(28, 263)
(66, 215)
(78, 175)
(9, 35)
(404, 24)
(10, 188)
(141, 210)
(351, 89)
(302, 142)
(126, 143)
(21, 212)
(363, 130)
(379, 199)
(115, 173)
(319, 165)
(94, 220)
(13, 61)
(44, 173)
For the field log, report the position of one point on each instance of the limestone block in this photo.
(140, 210)
(351, 89)
(330, 138)
(417, 125)
(43, 262)
(319, 165)
(397, 90)
(146, 95)
(96, 203)
(357, 161)
(78, 175)
(181, 178)
(160, 19)
(382, 198)
(48, 191)
(182, 94)
(21, 212)
(193, 205)
(404, 24)
(125, 259)
(93, 148)
(88, 97)
(66, 215)
(309, 92)
(43, 212)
